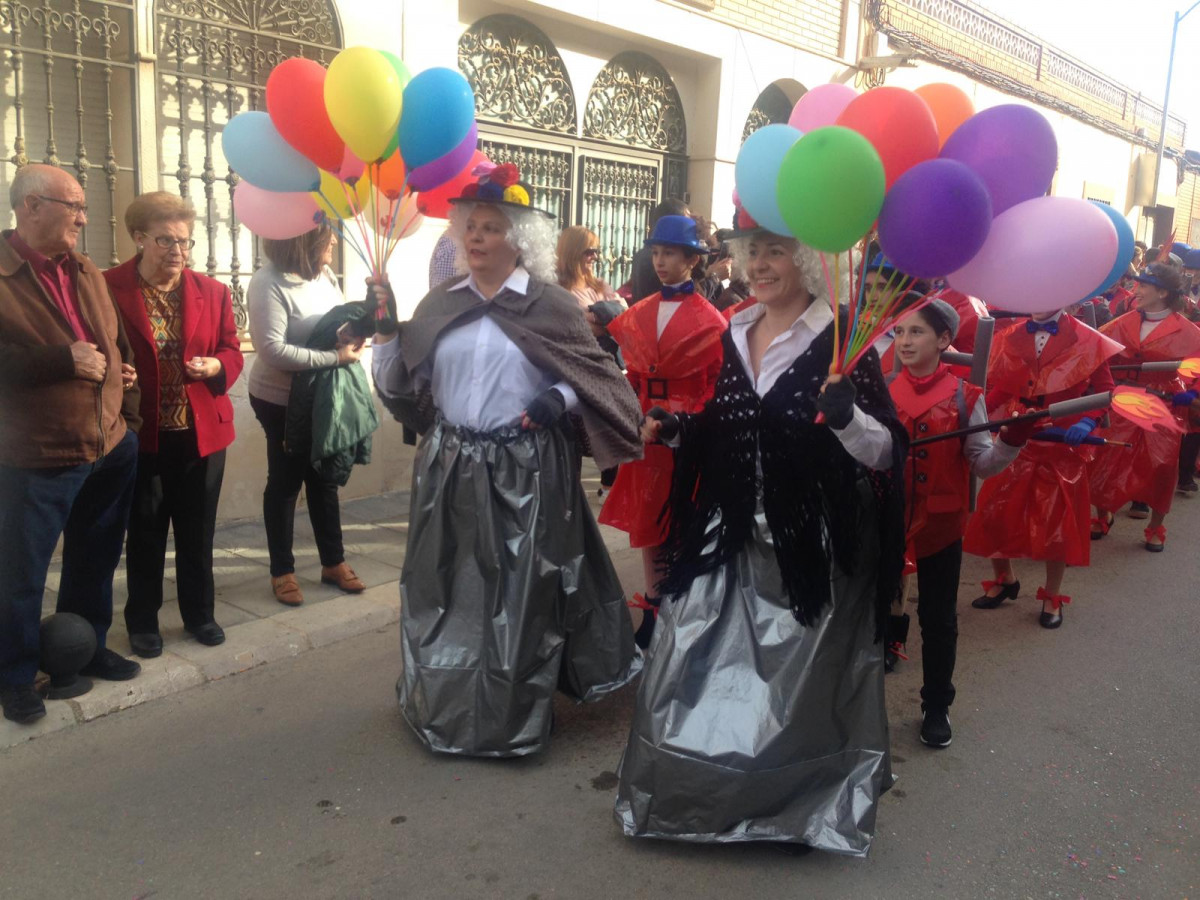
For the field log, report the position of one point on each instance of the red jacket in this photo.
(208, 330)
(938, 475)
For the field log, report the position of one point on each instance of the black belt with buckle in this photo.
(656, 388)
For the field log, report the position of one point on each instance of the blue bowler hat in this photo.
(677, 231)
(1179, 248)
(1191, 259)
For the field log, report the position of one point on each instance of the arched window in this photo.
(634, 101)
(771, 108)
(517, 75)
(214, 59)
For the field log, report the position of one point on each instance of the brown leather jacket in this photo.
(48, 417)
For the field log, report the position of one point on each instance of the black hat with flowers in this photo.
(499, 185)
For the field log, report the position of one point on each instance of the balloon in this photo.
(820, 106)
(1124, 248)
(405, 77)
(406, 212)
(255, 150)
(1012, 148)
(899, 126)
(446, 167)
(272, 214)
(830, 188)
(437, 201)
(296, 105)
(439, 108)
(756, 173)
(389, 176)
(364, 99)
(950, 107)
(935, 218)
(340, 200)
(1041, 255)
(350, 169)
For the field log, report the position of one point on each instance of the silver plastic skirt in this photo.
(507, 593)
(751, 727)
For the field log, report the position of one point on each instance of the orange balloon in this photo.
(389, 176)
(950, 107)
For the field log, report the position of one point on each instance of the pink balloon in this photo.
(821, 106)
(351, 168)
(1040, 256)
(274, 215)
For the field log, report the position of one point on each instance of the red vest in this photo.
(938, 475)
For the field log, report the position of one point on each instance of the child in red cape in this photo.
(671, 342)
(1149, 471)
(1038, 508)
(930, 399)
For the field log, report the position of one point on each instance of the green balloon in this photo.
(405, 77)
(830, 188)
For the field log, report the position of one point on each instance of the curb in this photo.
(188, 664)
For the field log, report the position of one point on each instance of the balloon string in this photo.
(833, 306)
(356, 210)
(392, 219)
(346, 237)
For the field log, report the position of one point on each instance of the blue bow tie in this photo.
(1050, 327)
(688, 287)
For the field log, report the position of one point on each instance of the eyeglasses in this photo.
(166, 243)
(591, 252)
(77, 208)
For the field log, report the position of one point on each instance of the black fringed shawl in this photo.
(811, 487)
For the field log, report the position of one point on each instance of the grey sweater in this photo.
(284, 309)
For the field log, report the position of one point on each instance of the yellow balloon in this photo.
(363, 97)
(335, 197)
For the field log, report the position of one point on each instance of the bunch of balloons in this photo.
(364, 146)
(952, 193)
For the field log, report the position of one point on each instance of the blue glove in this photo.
(1184, 398)
(1077, 432)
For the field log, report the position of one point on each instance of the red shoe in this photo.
(1156, 538)
(1052, 619)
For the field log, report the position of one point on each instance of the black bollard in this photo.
(68, 643)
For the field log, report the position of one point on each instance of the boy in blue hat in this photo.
(671, 342)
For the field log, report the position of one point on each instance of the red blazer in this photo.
(208, 330)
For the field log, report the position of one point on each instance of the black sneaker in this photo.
(1139, 510)
(1188, 487)
(21, 703)
(935, 728)
(109, 666)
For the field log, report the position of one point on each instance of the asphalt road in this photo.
(1073, 774)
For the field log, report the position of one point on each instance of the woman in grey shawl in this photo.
(507, 590)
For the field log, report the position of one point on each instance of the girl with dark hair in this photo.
(1149, 471)
(930, 400)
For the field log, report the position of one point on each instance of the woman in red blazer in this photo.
(188, 355)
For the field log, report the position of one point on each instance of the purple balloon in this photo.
(935, 218)
(1012, 148)
(1041, 255)
(442, 169)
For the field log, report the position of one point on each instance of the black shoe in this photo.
(1187, 487)
(649, 607)
(21, 703)
(935, 728)
(1139, 510)
(1050, 620)
(109, 666)
(146, 644)
(209, 634)
(1007, 592)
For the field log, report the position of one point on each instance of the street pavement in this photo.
(1073, 774)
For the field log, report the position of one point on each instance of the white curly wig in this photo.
(533, 235)
(807, 260)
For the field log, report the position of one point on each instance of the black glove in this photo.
(670, 423)
(605, 311)
(384, 317)
(837, 402)
(546, 408)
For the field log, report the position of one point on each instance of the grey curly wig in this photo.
(530, 233)
(807, 260)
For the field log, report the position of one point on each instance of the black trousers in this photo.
(1189, 449)
(179, 489)
(937, 613)
(286, 473)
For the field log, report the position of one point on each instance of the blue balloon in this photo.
(257, 152)
(757, 170)
(1124, 248)
(438, 111)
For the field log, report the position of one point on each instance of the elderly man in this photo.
(67, 457)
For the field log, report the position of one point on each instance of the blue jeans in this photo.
(88, 505)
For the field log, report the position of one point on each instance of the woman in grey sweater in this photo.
(286, 299)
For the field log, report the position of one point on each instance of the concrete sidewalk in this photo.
(258, 628)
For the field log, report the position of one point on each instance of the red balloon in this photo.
(899, 125)
(436, 202)
(296, 105)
